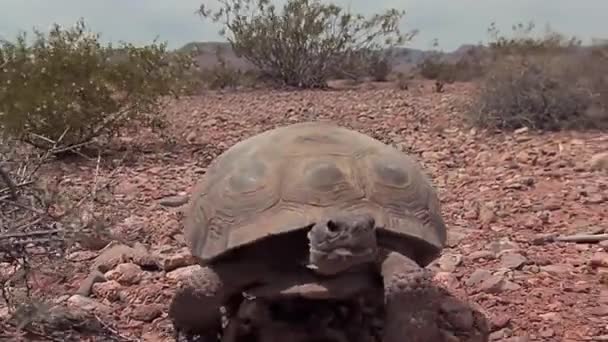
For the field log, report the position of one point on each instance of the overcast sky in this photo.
(452, 22)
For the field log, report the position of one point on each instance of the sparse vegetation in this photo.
(306, 42)
(67, 86)
(549, 82)
(467, 68)
(380, 67)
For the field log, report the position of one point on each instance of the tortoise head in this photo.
(342, 242)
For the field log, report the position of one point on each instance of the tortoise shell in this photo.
(286, 179)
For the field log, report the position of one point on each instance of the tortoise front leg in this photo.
(408, 295)
(195, 308)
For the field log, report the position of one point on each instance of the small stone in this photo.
(126, 274)
(603, 297)
(499, 335)
(112, 256)
(581, 287)
(489, 255)
(516, 339)
(87, 304)
(87, 284)
(502, 245)
(110, 290)
(550, 316)
(499, 321)
(531, 268)
(552, 204)
(513, 260)
(599, 161)
(478, 276)
(556, 269)
(5, 315)
(497, 284)
(486, 215)
(455, 236)
(115, 254)
(174, 201)
(182, 259)
(449, 262)
(147, 312)
(447, 279)
(546, 332)
(182, 273)
(599, 259)
(600, 311)
(80, 256)
(541, 239)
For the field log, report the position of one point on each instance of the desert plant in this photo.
(306, 42)
(404, 80)
(67, 85)
(380, 66)
(222, 75)
(467, 68)
(548, 82)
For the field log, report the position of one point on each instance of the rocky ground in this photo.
(505, 198)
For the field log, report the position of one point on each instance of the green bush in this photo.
(308, 41)
(67, 86)
(548, 83)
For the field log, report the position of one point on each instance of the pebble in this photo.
(497, 284)
(512, 260)
(174, 201)
(182, 273)
(87, 304)
(125, 274)
(147, 312)
(478, 276)
(488, 255)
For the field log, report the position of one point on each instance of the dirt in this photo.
(503, 196)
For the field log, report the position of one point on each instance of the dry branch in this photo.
(593, 236)
(12, 187)
(583, 238)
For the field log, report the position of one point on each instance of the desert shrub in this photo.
(468, 67)
(67, 86)
(449, 72)
(307, 41)
(222, 75)
(380, 67)
(549, 82)
(404, 80)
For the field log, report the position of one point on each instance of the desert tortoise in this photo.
(307, 200)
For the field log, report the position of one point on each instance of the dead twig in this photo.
(9, 182)
(590, 237)
(16, 186)
(582, 238)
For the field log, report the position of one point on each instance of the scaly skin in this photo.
(195, 308)
(408, 298)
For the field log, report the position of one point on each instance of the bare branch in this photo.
(9, 182)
